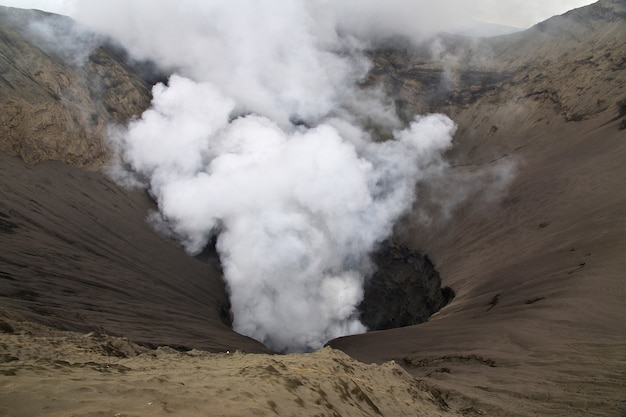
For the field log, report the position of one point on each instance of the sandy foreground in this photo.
(46, 372)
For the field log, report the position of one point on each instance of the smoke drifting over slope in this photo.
(259, 140)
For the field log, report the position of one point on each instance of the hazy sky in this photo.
(516, 13)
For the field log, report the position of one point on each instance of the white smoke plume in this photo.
(259, 140)
(297, 211)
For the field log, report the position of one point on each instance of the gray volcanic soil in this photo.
(537, 325)
(77, 253)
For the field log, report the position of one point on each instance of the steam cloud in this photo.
(259, 140)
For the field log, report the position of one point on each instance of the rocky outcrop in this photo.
(57, 98)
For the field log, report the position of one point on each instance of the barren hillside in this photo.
(529, 231)
(539, 270)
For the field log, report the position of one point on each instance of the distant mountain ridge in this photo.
(568, 60)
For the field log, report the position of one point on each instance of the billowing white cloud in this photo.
(296, 211)
(260, 139)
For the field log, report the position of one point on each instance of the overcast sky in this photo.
(516, 13)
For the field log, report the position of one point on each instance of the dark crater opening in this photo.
(405, 289)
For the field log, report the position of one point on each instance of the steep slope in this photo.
(57, 98)
(77, 252)
(537, 324)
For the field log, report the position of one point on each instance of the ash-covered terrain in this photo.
(512, 226)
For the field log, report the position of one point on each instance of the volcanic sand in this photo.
(54, 373)
(537, 326)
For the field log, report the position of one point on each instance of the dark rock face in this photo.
(405, 290)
